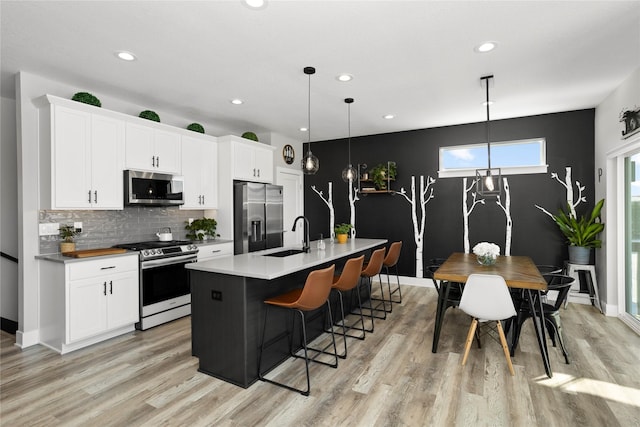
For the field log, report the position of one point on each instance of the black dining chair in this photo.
(551, 312)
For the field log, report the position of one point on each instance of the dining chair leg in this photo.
(470, 335)
(505, 347)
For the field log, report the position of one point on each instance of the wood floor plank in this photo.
(390, 379)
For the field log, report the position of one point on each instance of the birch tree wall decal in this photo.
(569, 187)
(466, 210)
(418, 231)
(507, 213)
(353, 198)
(329, 202)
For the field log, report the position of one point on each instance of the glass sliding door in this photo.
(632, 235)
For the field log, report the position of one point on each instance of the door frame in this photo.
(615, 231)
(296, 174)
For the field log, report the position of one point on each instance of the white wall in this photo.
(608, 130)
(8, 210)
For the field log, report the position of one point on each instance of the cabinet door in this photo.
(191, 165)
(243, 162)
(107, 144)
(167, 152)
(71, 163)
(87, 308)
(122, 301)
(264, 164)
(209, 175)
(139, 153)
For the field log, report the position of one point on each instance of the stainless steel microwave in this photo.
(153, 189)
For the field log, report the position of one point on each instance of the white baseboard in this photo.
(27, 339)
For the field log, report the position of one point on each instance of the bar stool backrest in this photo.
(350, 274)
(316, 289)
(393, 254)
(375, 264)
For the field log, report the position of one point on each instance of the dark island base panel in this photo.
(227, 318)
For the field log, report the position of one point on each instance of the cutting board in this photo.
(86, 253)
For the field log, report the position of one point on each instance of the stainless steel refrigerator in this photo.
(257, 222)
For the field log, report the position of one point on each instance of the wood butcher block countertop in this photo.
(86, 253)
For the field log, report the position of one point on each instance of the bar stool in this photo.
(347, 281)
(372, 269)
(391, 260)
(312, 296)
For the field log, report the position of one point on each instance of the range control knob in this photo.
(145, 252)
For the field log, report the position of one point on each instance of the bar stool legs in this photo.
(313, 296)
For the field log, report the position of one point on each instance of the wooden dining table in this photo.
(519, 272)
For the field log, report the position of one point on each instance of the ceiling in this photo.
(413, 59)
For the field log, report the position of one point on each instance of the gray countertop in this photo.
(258, 266)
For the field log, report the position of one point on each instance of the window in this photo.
(512, 157)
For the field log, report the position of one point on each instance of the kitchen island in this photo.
(227, 308)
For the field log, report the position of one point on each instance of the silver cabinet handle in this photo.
(111, 287)
(153, 161)
(258, 173)
(95, 196)
(105, 288)
(158, 161)
(203, 199)
(89, 196)
(108, 268)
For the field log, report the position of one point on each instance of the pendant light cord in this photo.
(349, 127)
(309, 113)
(486, 79)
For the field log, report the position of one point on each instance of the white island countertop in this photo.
(259, 266)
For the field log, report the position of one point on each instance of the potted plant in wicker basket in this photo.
(67, 233)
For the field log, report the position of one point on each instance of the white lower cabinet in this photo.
(99, 301)
(215, 250)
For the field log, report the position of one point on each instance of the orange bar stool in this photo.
(391, 260)
(370, 270)
(347, 281)
(312, 296)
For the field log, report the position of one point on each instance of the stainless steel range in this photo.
(165, 294)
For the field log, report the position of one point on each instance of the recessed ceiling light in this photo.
(344, 77)
(237, 101)
(388, 116)
(255, 4)
(485, 47)
(303, 129)
(126, 56)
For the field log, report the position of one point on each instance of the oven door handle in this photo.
(170, 261)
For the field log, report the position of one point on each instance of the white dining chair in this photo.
(486, 298)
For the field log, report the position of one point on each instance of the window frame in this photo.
(505, 170)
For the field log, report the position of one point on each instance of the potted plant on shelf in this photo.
(67, 232)
(342, 232)
(581, 232)
(201, 229)
(382, 173)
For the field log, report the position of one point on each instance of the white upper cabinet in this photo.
(252, 161)
(200, 171)
(82, 158)
(148, 148)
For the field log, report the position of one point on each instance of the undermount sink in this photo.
(285, 253)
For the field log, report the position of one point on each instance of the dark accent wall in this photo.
(570, 142)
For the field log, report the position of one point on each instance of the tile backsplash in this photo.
(102, 229)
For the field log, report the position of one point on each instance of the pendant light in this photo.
(349, 173)
(488, 181)
(310, 163)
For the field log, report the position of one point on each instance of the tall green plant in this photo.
(582, 231)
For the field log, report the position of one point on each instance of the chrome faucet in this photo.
(306, 247)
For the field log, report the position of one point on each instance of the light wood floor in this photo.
(390, 379)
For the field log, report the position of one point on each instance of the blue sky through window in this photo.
(503, 154)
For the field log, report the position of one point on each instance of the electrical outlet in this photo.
(48, 229)
(78, 227)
